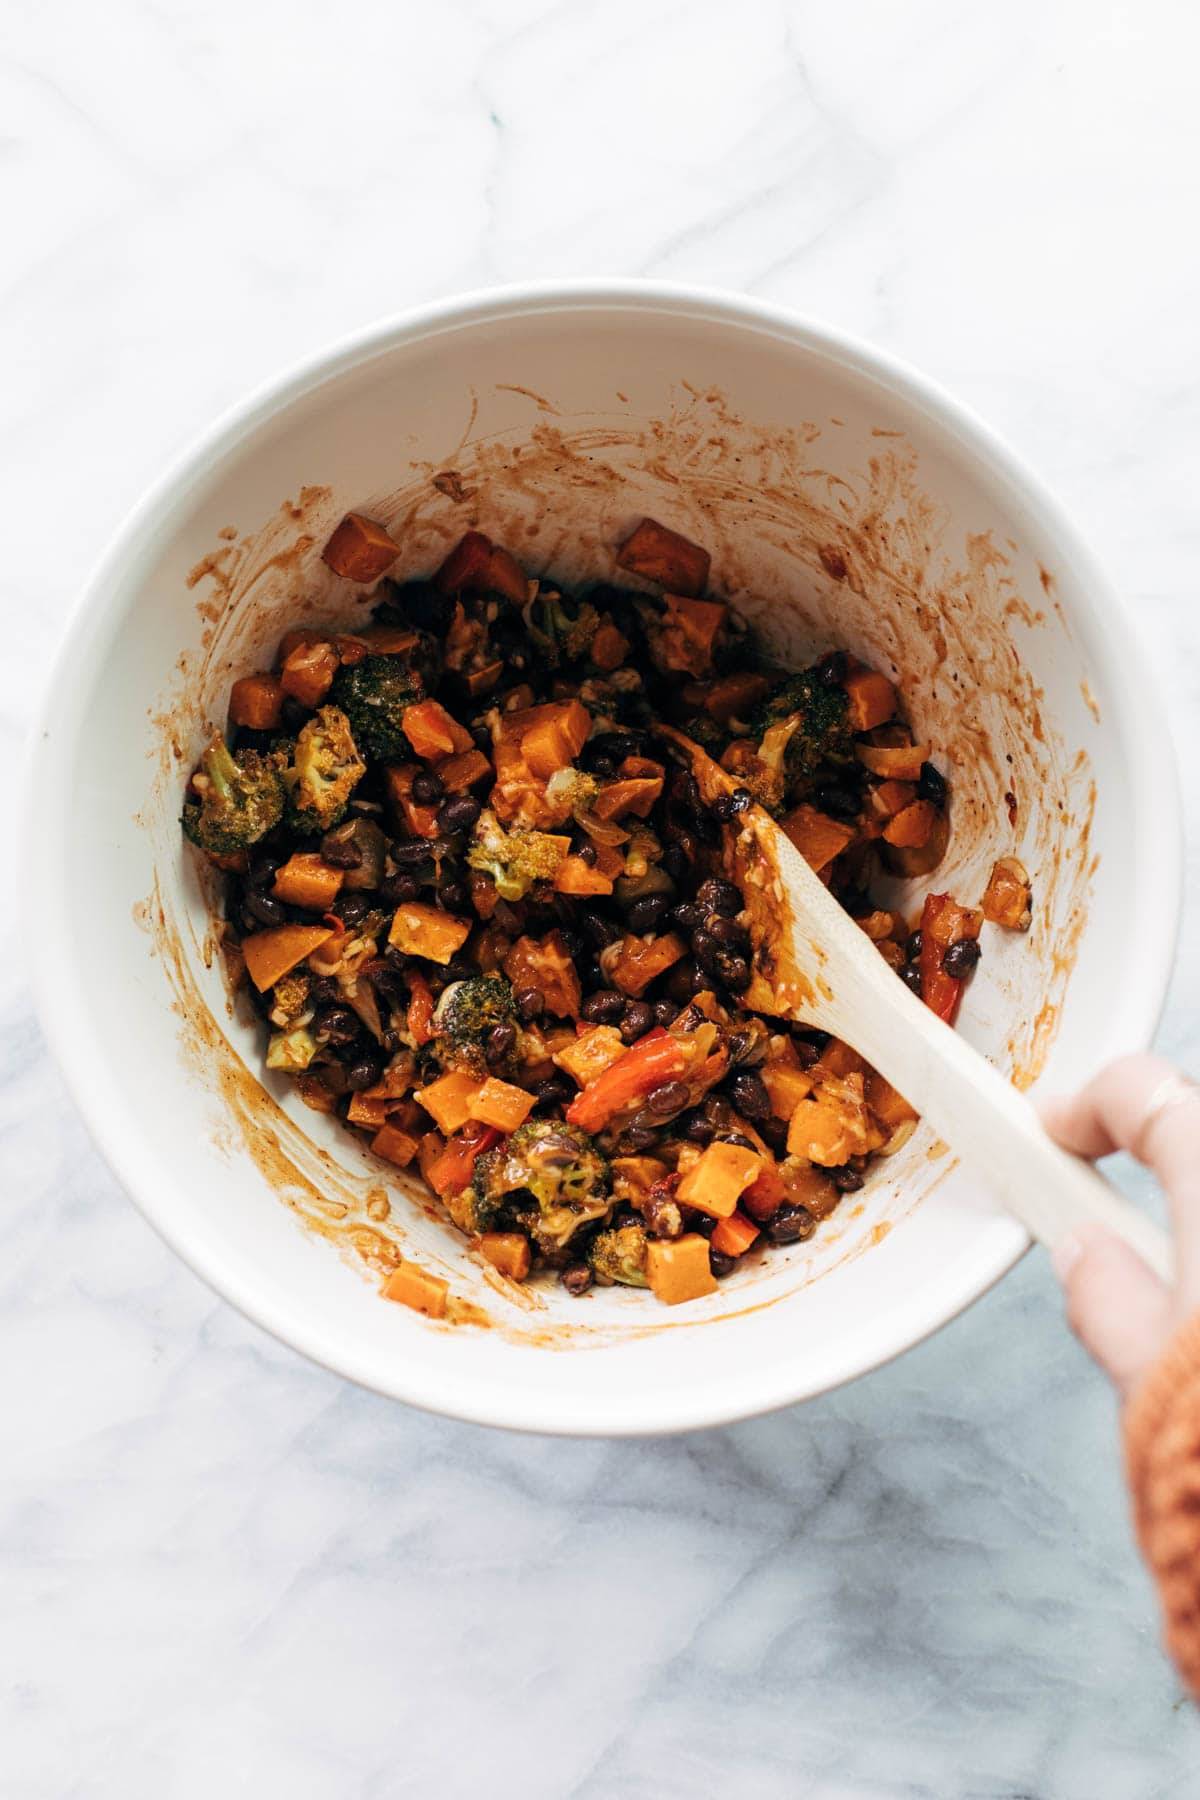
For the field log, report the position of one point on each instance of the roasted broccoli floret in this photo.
(619, 1255)
(514, 859)
(239, 798)
(802, 725)
(562, 630)
(466, 1012)
(323, 773)
(374, 694)
(555, 1176)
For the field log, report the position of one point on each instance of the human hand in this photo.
(1123, 1314)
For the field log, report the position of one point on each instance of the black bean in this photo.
(735, 972)
(428, 787)
(265, 908)
(719, 896)
(646, 914)
(741, 800)
(839, 801)
(363, 1072)
(455, 896)
(750, 1095)
(352, 908)
(687, 915)
(701, 982)
(933, 785)
(336, 1025)
(727, 931)
(394, 890)
(263, 864)
(499, 1041)
(722, 809)
(674, 860)
(912, 949)
(706, 950)
(413, 853)
(530, 1002)
(697, 1129)
(846, 1178)
(458, 815)
(736, 1137)
(555, 1090)
(720, 1264)
(774, 1133)
(662, 1216)
(638, 1138)
(322, 989)
(341, 852)
(832, 669)
(576, 1278)
(597, 929)
(458, 969)
(910, 975)
(668, 1098)
(637, 1021)
(790, 1225)
(604, 1008)
(664, 1012)
(961, 958)
(718, 1109)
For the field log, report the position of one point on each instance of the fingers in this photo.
(1141, 1104)
(1119, 1311)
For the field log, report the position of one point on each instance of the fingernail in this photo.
(1065, 1254)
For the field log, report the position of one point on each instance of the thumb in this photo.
(1117, 1308)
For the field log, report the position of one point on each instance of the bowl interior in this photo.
(842, 505)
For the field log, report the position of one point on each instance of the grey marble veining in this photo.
(222, 1572)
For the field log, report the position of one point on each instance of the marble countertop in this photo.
(224, 1572)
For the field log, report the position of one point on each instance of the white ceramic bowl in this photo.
(845, 501)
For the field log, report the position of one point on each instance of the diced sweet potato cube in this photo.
(690, 632)
(448, 1099)
(545, 964)
(1007, 900)
(641, 768)
(413, 1287)
(717, 1178)
(639, 961)
(912, 828)
(417, 820)
(609, 647)
(308, 672)
(432, 732)
(482, 681)
(888, 798)
(787, 1086)
(421, 930)
(502, 1104)
(678, 1269)
(591, 1053)
(507, 1251)
(838, 1058)
(817, 837)
(378, 640)
(833, 1125)
(616, 798)
(429, 1152)
(658, 554)
(365, 1110)
(395, 1145)
(314, 1092)
(460, 773)
(889, 1106)
(872, 700)
(466, 567)
(766, 1193)
(270, 955)
(360, 549)
(506, 576)
(733, 1236)
(304, 880)
(301, 634)
(579, 878)
(256, 701)
(735, 696)
(550, 736)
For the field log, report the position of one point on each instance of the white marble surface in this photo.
(223, 1572)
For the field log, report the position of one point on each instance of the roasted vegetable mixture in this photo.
(486, 922)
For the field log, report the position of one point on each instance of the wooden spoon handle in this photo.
(972, 1106)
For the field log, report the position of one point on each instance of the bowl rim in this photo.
(64, 1017)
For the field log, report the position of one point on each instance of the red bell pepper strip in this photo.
(654, 1059)
(943, 922)
(456, 1164)
(420, 1010)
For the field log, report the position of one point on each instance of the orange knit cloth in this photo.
(1162, 1458)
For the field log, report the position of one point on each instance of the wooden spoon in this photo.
(813, 964)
